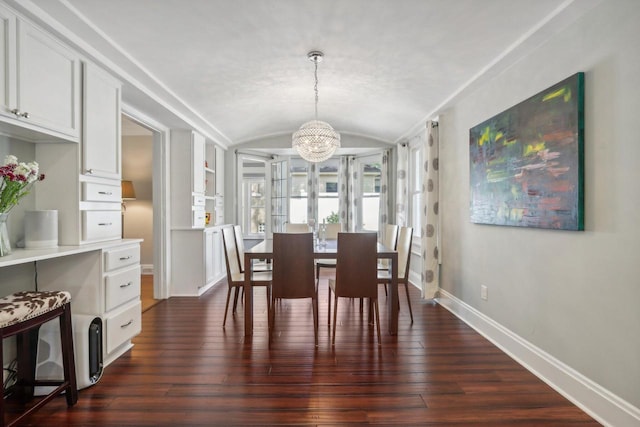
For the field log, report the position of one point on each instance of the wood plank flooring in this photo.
(186, 370)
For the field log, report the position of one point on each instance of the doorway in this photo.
(138, 205)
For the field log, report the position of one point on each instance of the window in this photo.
(328, 191)
(279, 195)
(253, 215)
(370, 172)
(298, 199)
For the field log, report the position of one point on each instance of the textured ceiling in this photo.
(238, 69)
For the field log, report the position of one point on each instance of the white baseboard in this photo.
(147, 268)
(604, 406)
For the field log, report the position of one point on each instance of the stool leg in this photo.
(26, 345)
(68, 359)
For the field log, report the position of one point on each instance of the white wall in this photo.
(575, 295)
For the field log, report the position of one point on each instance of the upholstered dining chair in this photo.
(293, 274)
(404, 257)
(332, 231)
(235, 278)
(356, 274)
(297, 228)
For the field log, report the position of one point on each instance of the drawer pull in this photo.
(106, 193)
(127, 324)
(105, 224)
(126, 285)
(124, 258)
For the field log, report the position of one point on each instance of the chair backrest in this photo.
(293, 268)
(237, 229)
(230, 252)
(404, 251)
(356, 267)
(390, 239)
(333, 229)
(296, 228)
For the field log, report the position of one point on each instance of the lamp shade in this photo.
(128, 192)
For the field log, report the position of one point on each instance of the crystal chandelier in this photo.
(316, 140)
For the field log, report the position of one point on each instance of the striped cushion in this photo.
(21, 306)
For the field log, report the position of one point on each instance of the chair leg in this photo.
(329, 304)
(68, 358)
(236, 291)
(315, 319)
(226, 307)
(335, 319)
(377, 310)
(406, 288)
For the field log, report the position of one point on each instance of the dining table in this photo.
(326, 250)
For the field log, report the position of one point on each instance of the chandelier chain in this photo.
(315, 87)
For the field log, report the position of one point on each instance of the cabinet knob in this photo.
(105, 223)
(106, 193)
(25, 115)
(124, 258)
(126, 285)
(127, 324)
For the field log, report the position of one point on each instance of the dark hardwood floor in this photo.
(186, 370)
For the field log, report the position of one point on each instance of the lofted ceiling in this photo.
(237, 70)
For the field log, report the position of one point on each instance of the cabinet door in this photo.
(101, 130)
(197, 153)
(48, 79)
(209, 254)
(219, 268)
(7, 61)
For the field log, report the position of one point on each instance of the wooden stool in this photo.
(22, 314)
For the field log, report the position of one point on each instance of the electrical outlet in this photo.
(484, 292)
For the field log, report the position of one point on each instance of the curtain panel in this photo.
(384, 208)
(354, 199)
(430, 222)
(312, 194)
(343, 193)
(402, 185)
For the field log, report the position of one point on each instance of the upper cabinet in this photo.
(101, 131)
(40, 92)
(188, 178)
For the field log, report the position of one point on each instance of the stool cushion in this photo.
(21, 306)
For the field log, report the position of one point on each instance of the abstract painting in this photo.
(526, 163)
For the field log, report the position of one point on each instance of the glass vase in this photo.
(5, 245)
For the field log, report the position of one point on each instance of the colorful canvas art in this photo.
(526, 163)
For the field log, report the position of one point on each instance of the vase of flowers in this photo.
(16, 180)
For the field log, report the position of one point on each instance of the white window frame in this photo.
(361, 161)
(416, 156)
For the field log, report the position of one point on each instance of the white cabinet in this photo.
(197, 261)
(187, 179)
(41, 82)
(103, 282)
(83, 180)
(101, 118)
(122, 312)
(214, 191)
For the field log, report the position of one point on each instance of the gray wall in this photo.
(575, 295)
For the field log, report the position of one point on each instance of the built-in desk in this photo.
(103, 279)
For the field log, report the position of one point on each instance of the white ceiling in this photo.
(238, 70)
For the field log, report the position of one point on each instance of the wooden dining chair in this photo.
(356, 274)
(390, 240)
(332, 231)
(235, 278)
(293, 274)
(297, 228)
(257, 265)
(404, 257)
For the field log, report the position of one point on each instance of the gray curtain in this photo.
(430, 222)
(312, 194)
(402, 185)
(352, 186)
(343, 193)
(384, 209)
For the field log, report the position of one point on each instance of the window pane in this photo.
(371, 173)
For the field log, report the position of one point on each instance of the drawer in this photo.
(121, 257)
(122, 286)
(92, 192)
(101, 225)
(199, 201)
(123, 326)
(198, 218)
